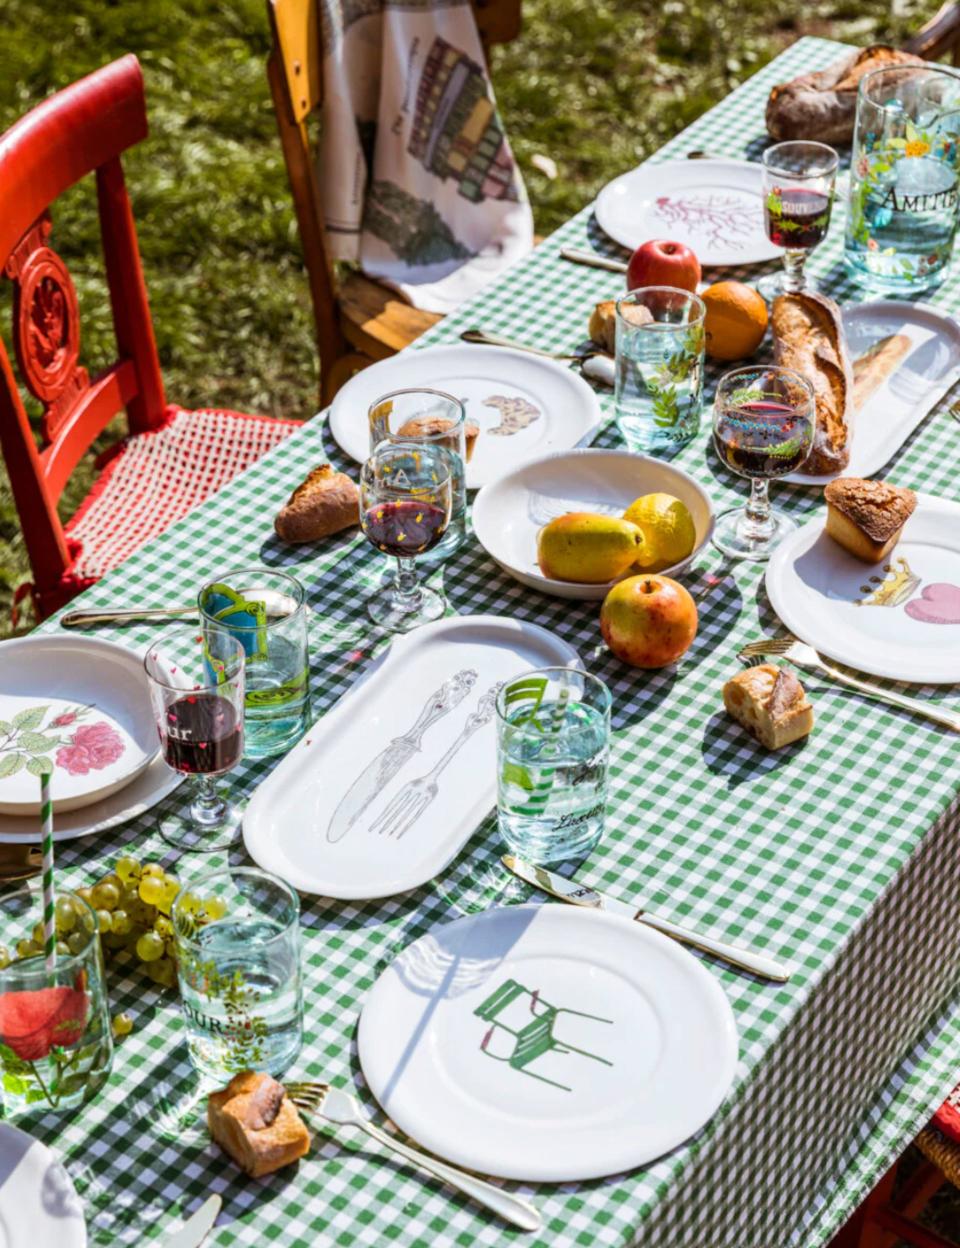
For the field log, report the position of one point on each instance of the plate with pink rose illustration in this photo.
(77, 707)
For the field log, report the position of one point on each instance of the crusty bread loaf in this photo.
(867, 517)
(324, 503)
(872, 369)
(808, 337)
(823, 105)
(427, 426)
(255, 1123)
(770, 703)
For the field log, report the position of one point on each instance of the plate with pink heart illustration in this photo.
(899, 618)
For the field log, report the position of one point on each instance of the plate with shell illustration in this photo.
(78, 708)
(899, 618)
(525, 406)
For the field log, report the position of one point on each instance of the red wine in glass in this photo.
(202, 734)
(803, 219)
(406, 527)
(763, 438)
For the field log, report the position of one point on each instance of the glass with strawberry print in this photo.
(197, 690)
(764, 418)
(405, 504)
(237, 936)
(902, 215)
(56, 1048)
(798, 191)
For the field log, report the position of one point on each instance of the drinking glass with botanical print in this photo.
(659, 367)
(798, 188)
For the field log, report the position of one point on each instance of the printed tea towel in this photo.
(418, 179)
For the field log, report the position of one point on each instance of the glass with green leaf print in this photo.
(902, 214)
(553, 747)
(237, 933)
(659, 368)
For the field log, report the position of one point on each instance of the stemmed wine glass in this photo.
(405, 502)
(196, 686)
(798, 190)
(764, 418)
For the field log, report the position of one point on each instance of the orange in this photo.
(735, 322)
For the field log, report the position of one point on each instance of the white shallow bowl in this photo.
(509, 513)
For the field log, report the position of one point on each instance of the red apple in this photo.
(648, 621)
(662, 263)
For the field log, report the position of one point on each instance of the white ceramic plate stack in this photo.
(715, 207)
(562, 409)
(315, 820)
(509, 513)
(921, 379)
(547, 1044)
(899, 619)
(82, 706)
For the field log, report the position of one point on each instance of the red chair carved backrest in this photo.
(80, 130)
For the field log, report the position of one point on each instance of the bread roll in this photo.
(427, 426)
(255, 1123)
(808, 337)
(324, 503)
(823, 105)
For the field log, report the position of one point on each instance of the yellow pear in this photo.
(588, 548)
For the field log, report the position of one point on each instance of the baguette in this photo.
(324, 503)
(872, 369)
(823, 105)
(808, 337)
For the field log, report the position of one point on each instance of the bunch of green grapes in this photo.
(132, 905)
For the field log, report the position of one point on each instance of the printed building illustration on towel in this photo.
(456, 132)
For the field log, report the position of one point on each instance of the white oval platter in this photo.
(314, 820)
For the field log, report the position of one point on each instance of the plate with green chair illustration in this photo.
(549, 1045)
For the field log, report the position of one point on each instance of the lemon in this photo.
(668, 531)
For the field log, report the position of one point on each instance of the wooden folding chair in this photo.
(357, 319)
(939, 37)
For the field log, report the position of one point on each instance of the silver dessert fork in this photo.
(340, 1107)
(807, 659)
(416, 795)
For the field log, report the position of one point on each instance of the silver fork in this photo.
(339, 1107)
(807, 659)
(416, 795)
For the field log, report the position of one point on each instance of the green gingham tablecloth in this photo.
(839, 858)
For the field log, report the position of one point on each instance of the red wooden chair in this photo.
(172, 458)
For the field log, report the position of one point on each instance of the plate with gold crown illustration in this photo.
(899, 618)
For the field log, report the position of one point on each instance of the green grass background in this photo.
(595, 84)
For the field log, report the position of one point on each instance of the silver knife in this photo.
(197, 1227)
(381, 770)
(583, 895)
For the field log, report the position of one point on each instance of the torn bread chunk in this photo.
(255, 1123)
(770, 703)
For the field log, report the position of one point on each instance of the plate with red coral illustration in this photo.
(715, 207)
(78, 708)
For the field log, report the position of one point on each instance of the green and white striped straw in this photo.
(49, 899)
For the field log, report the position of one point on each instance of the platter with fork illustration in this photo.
(388, 786)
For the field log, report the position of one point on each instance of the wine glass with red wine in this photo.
(405, 502)
(798, 191)
(764, 418)
(196, 684)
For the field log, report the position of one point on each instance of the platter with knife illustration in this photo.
(387, 787)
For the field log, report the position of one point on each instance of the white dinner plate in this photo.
(899, 618)
(39, 1206)
(564, 410)
(509, 513)
(715, 207)
(547, 1044)
(78, 705)
(896, 408)
(142, 793)
(314, 820)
